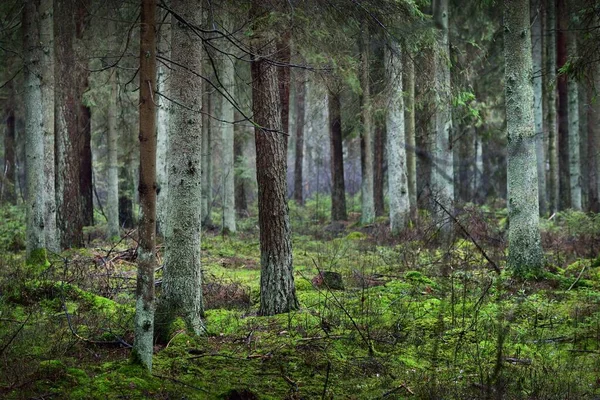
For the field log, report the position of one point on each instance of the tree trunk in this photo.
(563, 108)
(442, 173)
(112, 201)
(239, 144)
(144, 308)
(8, 192)
(553, 179)
(409, 120)
(366, 139)
(538, 110)
(86, 188)
(66, 107)
(207, 131)
(574, 138)
(277, 290)
(300, 124)
(525, 254)
(34, 134)
(338, 187)
(396, 148)
(594, 146)
(182, 278)
(284, 54)
(379, 168)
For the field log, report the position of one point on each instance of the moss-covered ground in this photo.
(417, 319)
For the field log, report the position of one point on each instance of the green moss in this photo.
(38, 260)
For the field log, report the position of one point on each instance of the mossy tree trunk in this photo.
(277, 290)
(144, 308)
(525, 256)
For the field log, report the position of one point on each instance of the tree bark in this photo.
(409, 120)
(300, 124)
(379, 168)
(594, 146)
(207, 132)
(366, 139)
(538, 110)
(8, 193)
(574, 135)
(553, 179)
(144, 309)
(278, 293)
(396, 142)
(563, 108)
(66, 108)
(112, 201)
(182, 278)
(338, 187)
(525, 254)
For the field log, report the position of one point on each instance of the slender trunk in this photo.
(396, 149)
(207, 131)
(8, 192)
(538, 110)
(378, 170)
(563, 109)
(574, 138)
(583, 145)
(66, 107)
(227, 78)
(409, 120)
(525, 254)
(553, 179)
(278, 293)
(299, 158)
(284, 55)
(162, 125)
(239, 144)
(593, 147)
(144, 308)
(182, 278)
(338, 187)
(442, 178)
(366, 139)
(34, 134)
(425, 125)
(112, 201)
(85, 164)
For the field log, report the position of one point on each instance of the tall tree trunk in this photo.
(379, 169)
(563, 108)
(8, 192)
(338, 187)
(284, 53)
(396, 149)
(162, 124)
(112, 201)
(366, 139)
(182, 278)
(409, 120)
(239, 144)
(277, 290)
(227, 78)
(442, 173)
(538, 110)
(525, 254)
(66, 107)
(593, 147)
(34, 134)
(553, 179)
(300, 124)
(144, 308)
(574, 135)
(207, 132)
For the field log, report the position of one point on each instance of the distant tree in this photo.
(300, 123)
(409, 120)
(144, 309)
(525, 254)
(338, 186)
(573, 113)
(277, 290)
(8, 187)
(366, 139)
(112, 200)
(550, 35)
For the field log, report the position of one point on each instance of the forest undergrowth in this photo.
(415, 318)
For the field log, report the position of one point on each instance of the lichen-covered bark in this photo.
(338, 186)
(442, 172)
(277, 290)
(366, 142)
(144, 307)
(538, 111)
(525, 254)
(182, 278)
(409, 122)
(396, 150)
(553, 179)
(299, 153)
(112, 200)
(34, 129)
(574, 139)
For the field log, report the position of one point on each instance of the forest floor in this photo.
(415, 320)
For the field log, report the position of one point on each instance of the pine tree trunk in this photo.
(409, 120)
(34, 134)
(538, 110)
(300, 124)
(338, 187)
(563, 109)
(239, 144)
(525, 254)
(378, 170)
(553, 179)
(593, 147)
(574, 138)
(182, 278)
(366, 139)
(278, 293)
(396, 150)
(442, 178)
(8, 192)
(207, 132)
(144, 308)
(112, 201)
(66, 107)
